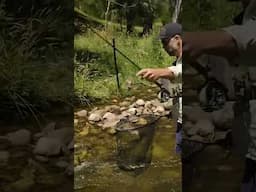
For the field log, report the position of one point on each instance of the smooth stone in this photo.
(62, 164)
(20, 137)
(48, 146)
(42, 159)
(140, 102)
(82, 113)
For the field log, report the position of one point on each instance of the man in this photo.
(236, 43)
(170, 36)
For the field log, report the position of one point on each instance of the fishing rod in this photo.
(121, 53)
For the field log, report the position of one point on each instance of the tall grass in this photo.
(98, 77)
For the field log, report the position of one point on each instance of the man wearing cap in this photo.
(170, 36)
(236, 43)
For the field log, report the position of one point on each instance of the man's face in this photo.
(172, 45)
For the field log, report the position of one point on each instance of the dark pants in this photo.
(178, 137)
(249, 179)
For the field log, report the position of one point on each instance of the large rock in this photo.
(223, 118)
(82, 113)
(205, 128)
(140, 102)
(65, 135)
(20, 137)
(195, 113)
(48, 146)
(94, 117)
(110, 120)
(132, 111)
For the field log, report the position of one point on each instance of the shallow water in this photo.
(101, 173)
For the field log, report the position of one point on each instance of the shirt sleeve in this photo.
(177, 70)
(244, 35)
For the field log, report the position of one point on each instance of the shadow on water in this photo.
(148, 163)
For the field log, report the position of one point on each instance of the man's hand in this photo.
(154, 74)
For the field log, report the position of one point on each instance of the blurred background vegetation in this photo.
(36, 45)
(135, 25)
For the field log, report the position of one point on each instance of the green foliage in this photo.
(35, 61)
(95, 73)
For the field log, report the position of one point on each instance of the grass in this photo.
(95, 72)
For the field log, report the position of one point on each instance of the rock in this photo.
(159, 109)
(48, 146)
(82, 113)
(195, 114)
(140, 102)
(139, 111)
(38, 135)
(124, 115)
(223, 118)
(94, 117)
(62, 164)
(156, 102)
(75, 122)
(113, 109)
(110, 120)
(64, 135)
(4, 157)
(49, 128)
(20, 137)
(147, 111)
(42, 159)
(148, 104)
(124, 104)
(205, 128)
(190, 129)
(132, 111)
(123, 109)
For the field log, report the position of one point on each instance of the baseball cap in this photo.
(169, 30)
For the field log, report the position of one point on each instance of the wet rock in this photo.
(20, 137)
(42, 159)
(48, 146)
(4, 157)
(82, 113)
(140, 102)
(205, 128)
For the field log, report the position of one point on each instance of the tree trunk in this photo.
(177, 10)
